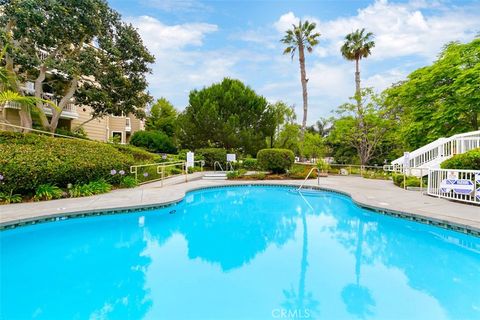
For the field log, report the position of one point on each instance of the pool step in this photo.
(215, 176)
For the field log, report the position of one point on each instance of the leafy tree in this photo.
(154, 141)
(301, 37)
(76, 50)
(229, 115)
(281, 114)
(313, 145)
(439, 100)
(163, 117)
(362, 128)
(289, 138)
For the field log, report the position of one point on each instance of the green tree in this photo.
(301, 37)
(362, 128)
(313, 145)
(228, 115)
(439, 100)
(289, 138)
(357, 45)
(281, 114)
(75, 50)
(163, 117)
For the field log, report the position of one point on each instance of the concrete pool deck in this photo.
(377, 194)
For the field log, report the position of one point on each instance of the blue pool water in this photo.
(240, 253)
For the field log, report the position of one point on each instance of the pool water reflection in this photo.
(240, 253)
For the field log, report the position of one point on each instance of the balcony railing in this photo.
(12, 105)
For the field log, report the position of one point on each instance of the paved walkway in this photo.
(378, 194)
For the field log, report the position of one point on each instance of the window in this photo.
(117, 137)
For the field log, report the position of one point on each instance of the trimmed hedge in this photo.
(468, 161)
(210, 155)
(153, 141)
(250, 164)
(275, 160)
(28, 161)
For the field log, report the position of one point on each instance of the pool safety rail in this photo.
(145, 173)
(308, 176)
(458, 185)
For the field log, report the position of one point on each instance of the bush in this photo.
(138, 154)
(275, 160)
(28, 161)
(323, 165)
(250, 164)
(469, 160)
(128, 182)
(80, 133)
(153, 141)
(210, 155)
(301, 172)
(89, 189)
(47, 192)
(10, 197)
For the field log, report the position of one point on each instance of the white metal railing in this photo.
(432, 154)
(459, 185)
(215, 164)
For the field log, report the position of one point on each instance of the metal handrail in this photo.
(215, 166)
(231, 167)
(308, 175)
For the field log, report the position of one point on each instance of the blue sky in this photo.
(197, 43)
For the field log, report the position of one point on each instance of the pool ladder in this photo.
(308, 175)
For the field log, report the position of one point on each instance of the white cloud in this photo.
(401, 29)
(176, 5)
(158, 36)
(285, 22)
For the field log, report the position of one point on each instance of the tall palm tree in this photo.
(301, 37)
(357, 45)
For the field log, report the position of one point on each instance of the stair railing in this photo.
(215, 166)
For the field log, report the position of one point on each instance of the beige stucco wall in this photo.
(96, 129)
(101, 129)
(12, 116)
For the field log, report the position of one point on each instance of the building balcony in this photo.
(69, 112)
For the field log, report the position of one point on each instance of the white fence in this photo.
(459, 185)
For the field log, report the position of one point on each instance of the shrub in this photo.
(10, 197)
(250, 164)
(139, 155)
(259, 176)
(275, 160)
(80, 191)
(301, 172)
(28, 161)
(210, 155)
(236, 174)
(153, 141)
(100, 186)
(47, 192)
(323, 165)
(128, 182)
(80, 133)
(469, 160)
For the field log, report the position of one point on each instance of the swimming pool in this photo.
(250, 252)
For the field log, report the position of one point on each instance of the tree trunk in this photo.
(38, 95)
(66, 99)
(303, 79)
(357, 81)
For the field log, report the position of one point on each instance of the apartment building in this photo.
(117, 128)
